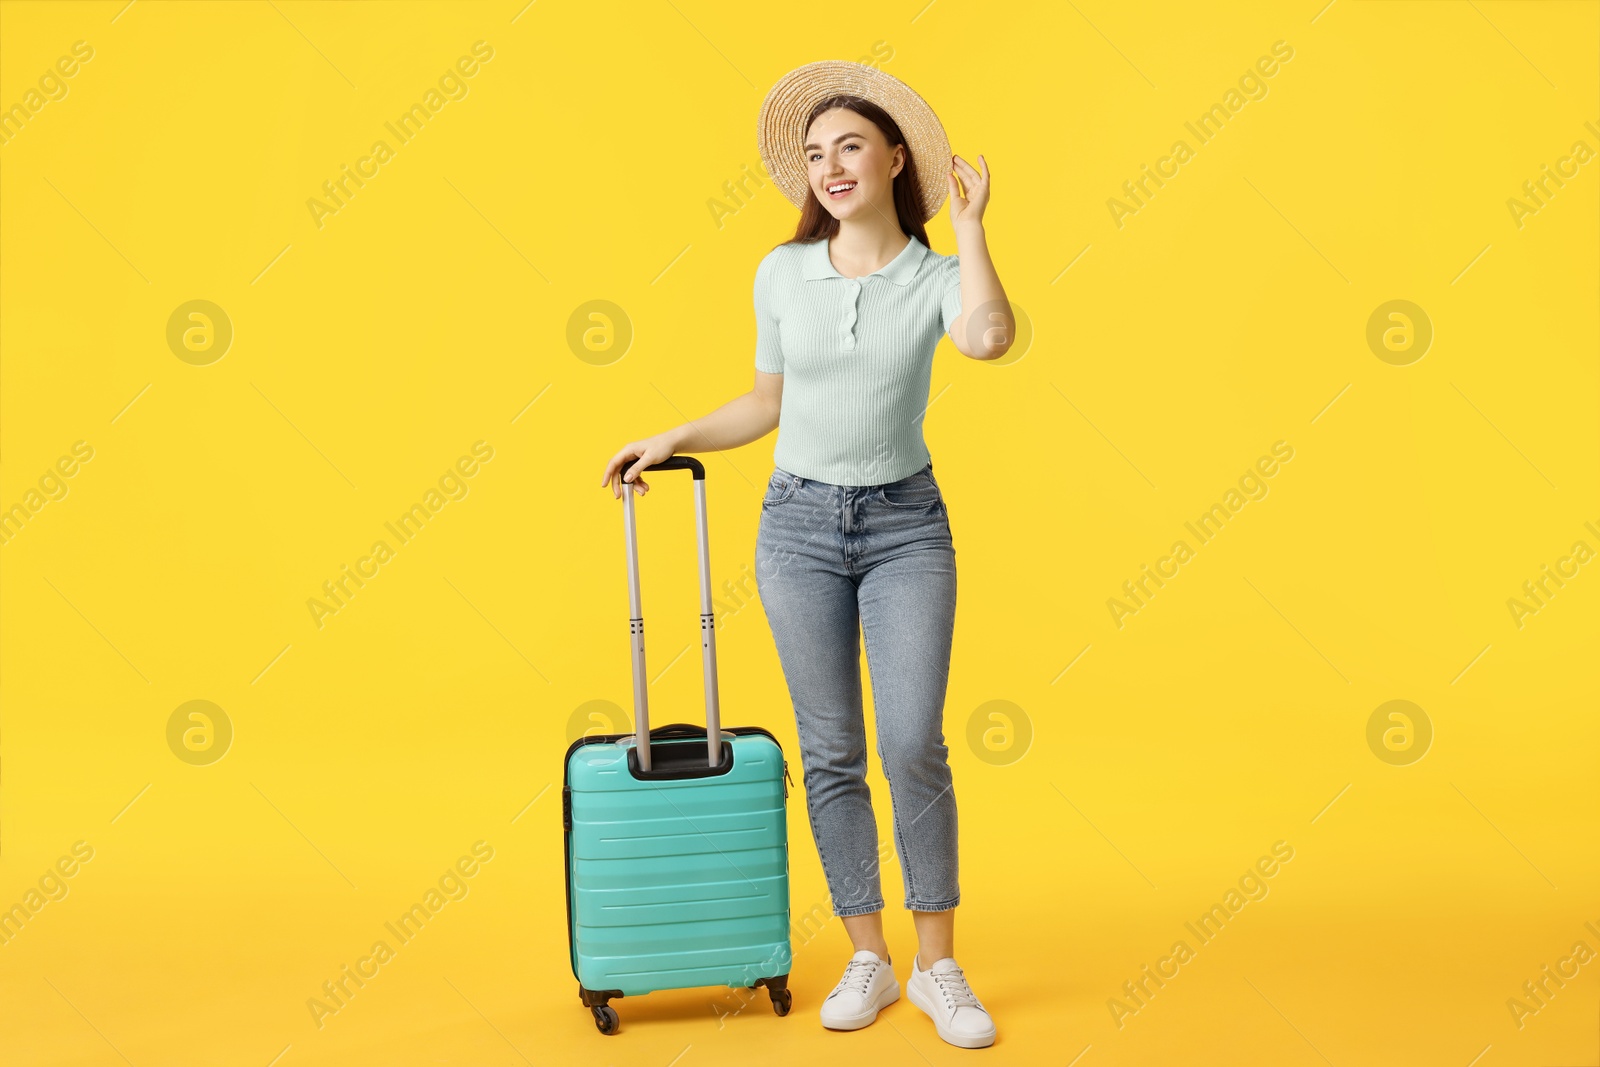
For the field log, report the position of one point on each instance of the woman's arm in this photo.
(995, 328)
(741, 420)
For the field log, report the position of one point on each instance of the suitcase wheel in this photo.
(605, 1019)
(782, 1000)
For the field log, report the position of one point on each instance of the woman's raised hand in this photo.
(969, 208)
(636, 455)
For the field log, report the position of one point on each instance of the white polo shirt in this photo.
(856, 355)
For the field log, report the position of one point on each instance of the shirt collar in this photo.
(900, 270)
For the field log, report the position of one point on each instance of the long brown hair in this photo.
(816, 222)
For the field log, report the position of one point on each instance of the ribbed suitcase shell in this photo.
(677, 883)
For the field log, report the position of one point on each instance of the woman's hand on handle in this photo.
(636, 456)
(738, 422)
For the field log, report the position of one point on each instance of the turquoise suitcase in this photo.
(677, 849)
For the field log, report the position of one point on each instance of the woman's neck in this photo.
(859, 248)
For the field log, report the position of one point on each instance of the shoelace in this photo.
(857, 976)
(956, 992)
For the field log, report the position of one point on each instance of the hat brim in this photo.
(781, 134)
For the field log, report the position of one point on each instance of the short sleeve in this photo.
(769, 351)
(951, 282)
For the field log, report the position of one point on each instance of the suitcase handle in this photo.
(678, 729)
(708, 626)
(677, 463)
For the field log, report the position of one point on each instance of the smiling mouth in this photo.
(840, 190)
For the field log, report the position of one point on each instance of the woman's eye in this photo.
(815, 155)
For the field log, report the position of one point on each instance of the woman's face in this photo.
(847, 153)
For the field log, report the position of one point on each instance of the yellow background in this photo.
(368, 354)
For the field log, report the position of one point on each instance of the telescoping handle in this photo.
(708, 632)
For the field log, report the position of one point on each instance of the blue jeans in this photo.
(832, 561)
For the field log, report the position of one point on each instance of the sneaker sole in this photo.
(958, 1040)
(866, 1018)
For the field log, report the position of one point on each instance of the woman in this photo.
(854, 530)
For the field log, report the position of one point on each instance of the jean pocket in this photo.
(917, 491)
(780, 487)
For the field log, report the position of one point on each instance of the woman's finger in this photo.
(617, 465)
(615, 470)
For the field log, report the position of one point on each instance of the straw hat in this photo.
(780, 128)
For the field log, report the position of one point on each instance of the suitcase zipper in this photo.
(787, 780)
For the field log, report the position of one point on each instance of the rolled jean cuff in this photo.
(858, 909)
(912, 905)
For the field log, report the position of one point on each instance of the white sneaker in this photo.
(942, 992)
(868, 985)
